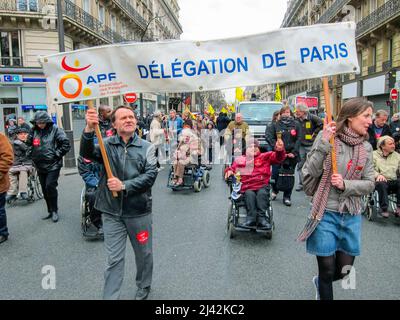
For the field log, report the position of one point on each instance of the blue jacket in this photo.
(89, 171)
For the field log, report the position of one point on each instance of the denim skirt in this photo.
(336, 232)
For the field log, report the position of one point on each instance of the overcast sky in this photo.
(216, 19)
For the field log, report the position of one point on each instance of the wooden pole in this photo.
(103, 150)
(328, 110)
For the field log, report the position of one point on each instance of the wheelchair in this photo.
(33, 187)
(195, 177)
(370, 205)
(89, 230)
(237, 213)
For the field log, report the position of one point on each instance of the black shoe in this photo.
(3, 239)
(24, 196)
(10, 198)
(54, 217)
(249, 223)
(299, 187)
(142, 293)
(263, 223)
(48, 217)
(287, 202)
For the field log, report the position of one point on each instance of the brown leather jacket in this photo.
(6, 161)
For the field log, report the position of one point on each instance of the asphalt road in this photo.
(193, 256)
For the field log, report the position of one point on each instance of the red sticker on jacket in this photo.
(359, 168)
(349, 164)
(109, 133)
(142, 237)
(36, 142)
(293, 132)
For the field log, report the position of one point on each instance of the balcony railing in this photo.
(381, 15)
(82, 17)
(387, 65)
(332, 11)
(371, 69)
(139, 20)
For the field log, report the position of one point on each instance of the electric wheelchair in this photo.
(237, 212)
(195, 177)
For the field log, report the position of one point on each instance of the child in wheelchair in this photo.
(21, 168)
(255, 172)
(386, 167)
(90, 173)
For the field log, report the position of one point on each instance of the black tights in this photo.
(329, 270)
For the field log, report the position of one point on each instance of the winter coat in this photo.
(290, 130)
(255, 175)
(89, 171)
(156, 133)
(373, 137)
(387, 166)
(6, 161)
(134, 164)
(189, 147)
(222, 121)
(21, 153)
(47, 146)
(233, 126)
(314, 166)
(310, 127)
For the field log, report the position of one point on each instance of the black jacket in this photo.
(372, 137)
(106, 128)
(21, 153)
(134, 164)
(290, 130)
(222, 121)
(47, 146)
(309, 129)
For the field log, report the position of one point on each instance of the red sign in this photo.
(394, 94)
(130, 97)
(311, 102)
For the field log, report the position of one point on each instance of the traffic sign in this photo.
(394, 94)
(130, 97)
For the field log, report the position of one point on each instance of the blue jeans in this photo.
(3, 217)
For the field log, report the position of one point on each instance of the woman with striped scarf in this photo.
(333, 229)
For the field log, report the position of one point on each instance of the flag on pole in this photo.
(278, 93)
(232, 108)
(239, 94)
(211, 109)
(224, 110)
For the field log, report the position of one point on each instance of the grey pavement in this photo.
(193, 256)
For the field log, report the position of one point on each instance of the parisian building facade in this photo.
(378, 47)
(28, 29)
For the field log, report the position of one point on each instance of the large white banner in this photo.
(185, 66)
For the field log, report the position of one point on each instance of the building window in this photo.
(27, 5)
(101, 14)
(86, 5)
(113, 23)
(10, 48)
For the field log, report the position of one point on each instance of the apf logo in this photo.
(78, 81)
(74, 77)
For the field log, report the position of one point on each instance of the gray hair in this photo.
(381, 113)
(302, 107)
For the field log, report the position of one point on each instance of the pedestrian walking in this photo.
(6, 161)
(48, 145)
(310, 125)
(333, 229)
(133, 164)
(157, 136)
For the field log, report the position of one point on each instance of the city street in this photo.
(193, 256)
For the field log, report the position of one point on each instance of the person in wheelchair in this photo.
(255, 172)
(187, 152)
(90, 173)
(21, 168)
(386, 167)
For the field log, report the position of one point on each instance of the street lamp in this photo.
(141, 40)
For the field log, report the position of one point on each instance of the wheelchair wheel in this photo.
(197, 185)
(373, 207)
(230, 226)
(206, 179)
(392, 203)
(364, 204)
(31, 190)
(37, 186)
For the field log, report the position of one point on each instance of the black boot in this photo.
(263, 223)
(250, 222)
(48, 216)
(55, 217)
